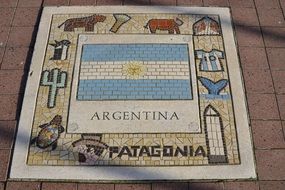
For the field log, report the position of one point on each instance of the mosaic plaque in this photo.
(134, 93)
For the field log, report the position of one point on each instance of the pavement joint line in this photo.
(274, 85)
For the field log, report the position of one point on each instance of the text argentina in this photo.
(129, 115)
(156, 151)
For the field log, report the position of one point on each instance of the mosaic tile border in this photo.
(239, 165)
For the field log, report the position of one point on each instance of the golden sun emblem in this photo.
(134, 69)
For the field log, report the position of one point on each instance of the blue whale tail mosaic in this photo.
(213, 87)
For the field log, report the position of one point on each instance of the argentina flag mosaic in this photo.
(134, 93)
(134, 71)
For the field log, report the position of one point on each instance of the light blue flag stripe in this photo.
(135, 52)
(141, 89)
